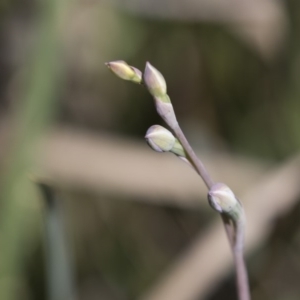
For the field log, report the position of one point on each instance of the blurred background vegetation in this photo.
(117, 221)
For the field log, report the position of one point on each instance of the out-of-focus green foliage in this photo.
(18, 218)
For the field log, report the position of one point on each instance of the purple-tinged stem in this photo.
(234, 228)
(197, 163)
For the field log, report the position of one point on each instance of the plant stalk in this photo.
(242, 281)
(234, 226)
(196, 162)
(234, 218)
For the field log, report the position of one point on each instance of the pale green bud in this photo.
(159, 138)
(222, 199)
(124, 71)
(178, 149)
(154, 81)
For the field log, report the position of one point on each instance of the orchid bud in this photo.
(124, 71)
(162, 140)
(159, 138)
(222, 199)
(178, 150)
(154, 81)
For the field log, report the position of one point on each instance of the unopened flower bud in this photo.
(178, 149)
(162, 140)
(154, 81)
(222, 199)
(159, 138)
(124, 71)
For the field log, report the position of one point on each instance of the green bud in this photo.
(154, 81)
(124, 71)
(222, 199)
(178, 150)
(159, 138)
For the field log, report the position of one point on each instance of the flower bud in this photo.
(222, 199)
(159, 138)
(178, 150)
(154, 81)
(124, 71)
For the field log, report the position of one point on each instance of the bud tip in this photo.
(154, 81)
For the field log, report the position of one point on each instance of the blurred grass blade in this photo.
(33, 116)
(59, 277)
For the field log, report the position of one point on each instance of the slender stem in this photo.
(241, 276)
(234, 225)
(240, 266)
(197, 163)
(236, 240)
(227, 222)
